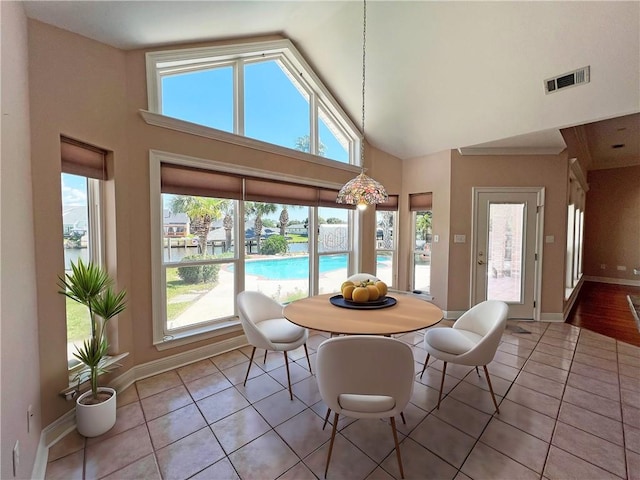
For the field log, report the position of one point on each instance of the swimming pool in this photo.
(296, 268)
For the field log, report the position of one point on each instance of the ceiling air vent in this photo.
(566, 80)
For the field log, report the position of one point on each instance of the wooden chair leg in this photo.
(306, 350)
(326, 418)
(286, 363)
(425, 365)
(264, 361)
(477, 371)
(403, 419)
(395, 439)
(249, 367)
(493, 396)
(444, 369)
(333, 437)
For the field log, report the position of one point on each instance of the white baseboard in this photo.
(55, 431)
(453, 314)
(614, 281)
(552, 317)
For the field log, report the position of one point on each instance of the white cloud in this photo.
(73, 196)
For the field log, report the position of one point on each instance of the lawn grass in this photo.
(176, 287)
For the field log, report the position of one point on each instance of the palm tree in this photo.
(303, 144)
(259, 209)
(284, 220)
(423, 224)
(227, 224)
(202, 212)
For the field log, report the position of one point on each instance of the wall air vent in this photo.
(566, 80)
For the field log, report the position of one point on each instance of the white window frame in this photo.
(219, 327)
(321, 102)
(414, 251)
(393, 251)
(576, 200)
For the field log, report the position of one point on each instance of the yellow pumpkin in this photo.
(382, 288)
(360, 294)
(347, 291)
(374, 293)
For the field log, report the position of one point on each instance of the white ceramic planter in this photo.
(94, 420)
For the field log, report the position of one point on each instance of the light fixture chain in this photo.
(364, 75)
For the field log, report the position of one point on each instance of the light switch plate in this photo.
(549, 239)
(436, 238)
(459, 238)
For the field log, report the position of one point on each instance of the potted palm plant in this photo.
(91, 286)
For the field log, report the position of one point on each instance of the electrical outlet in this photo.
(621, 268)
(16, 457)
(602, 266)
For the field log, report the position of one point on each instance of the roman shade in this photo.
(183, 180)
(82, 159)
(420, 202)
(391, 205)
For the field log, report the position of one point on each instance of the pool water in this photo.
(296, 268)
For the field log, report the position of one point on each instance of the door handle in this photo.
(480, 262)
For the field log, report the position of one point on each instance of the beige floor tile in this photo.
(540, 384)
(197, 370)
(558, 342)
(146, 468)
(307, 391)
(592, 339)
(486, 463)
(626, 349)
(632, 371)
(158, 383)
(378, 474)
(298, 472)
(500, 385)
(417, 463)
(237, 373)
(562, 465)
(373, 436)
(629, 383)
(239, 429)
(592, 423)
(320, 409)
(221, 470)
(509, 359)
(205, 386)
(596, 352)
(547, 349)
(629, 397)
(190, 455)
(516, 444)
(68, 467)
(632, 438)
(605, 376)
(127, 417)
(633, 465)
(127, 396)
(69, 444)
(590, 448)
(424, 397)
(456, 371)
(589, 384)
(631, 360)
(221, 404)
(527, 420)
(503, 371)
(631, 415)
(165, 402)
(512, 349)
(259, 387)
(475, 397)
(347, 461)
(546, 371)
(446, 441)
(549, 359)
(303, 433)
(296, 372)
(535, 400)
(597, 362)
(433, 378)
(230, 359)
(175, 425)
(593, 403)
(278, 407)
(468, 419)
(520, 341)
(413, 416)
(117, 452)
(265, 457)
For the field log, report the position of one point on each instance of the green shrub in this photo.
(198, 273)
(273, 245)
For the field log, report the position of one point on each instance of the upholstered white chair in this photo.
(473, 340)
(361, 277)
(365, 376)
(265, 327)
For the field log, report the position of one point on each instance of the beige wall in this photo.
(431, 173)
(612, 223)
(20, 368)
(549, 171)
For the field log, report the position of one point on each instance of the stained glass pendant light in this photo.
(362, 190)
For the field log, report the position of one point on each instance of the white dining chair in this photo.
(472, 340)
(265, 327)
(364, 376)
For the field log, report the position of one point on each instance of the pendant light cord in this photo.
(364, 76)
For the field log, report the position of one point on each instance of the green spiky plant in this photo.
(90, 285)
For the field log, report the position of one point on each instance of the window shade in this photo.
(182, 180)
(419, 202)
(81, 159)
(390, 205)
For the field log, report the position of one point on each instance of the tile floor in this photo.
(569, 408)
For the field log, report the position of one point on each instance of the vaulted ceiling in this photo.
(440, 75)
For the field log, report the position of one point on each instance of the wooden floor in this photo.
(603, 308)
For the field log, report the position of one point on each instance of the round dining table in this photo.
(407, 314)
